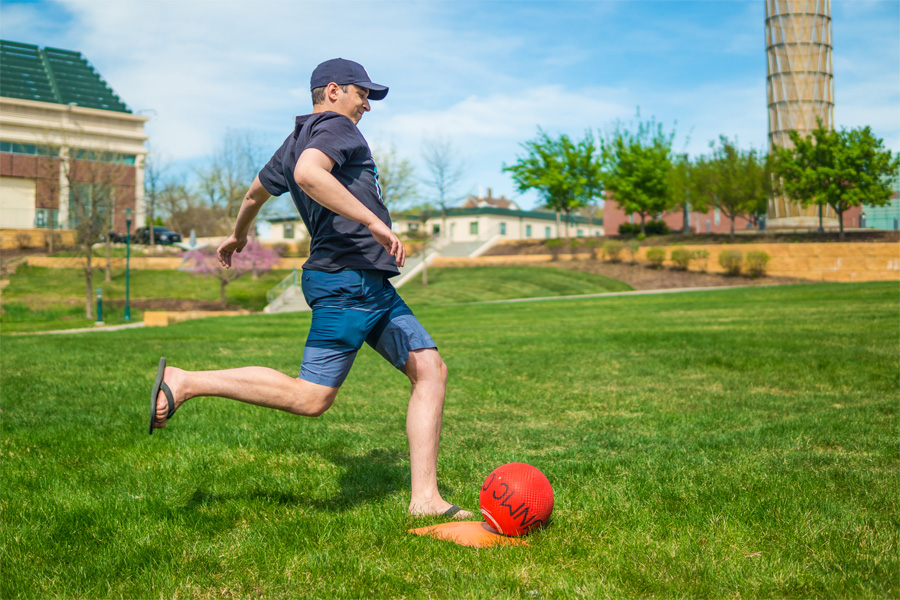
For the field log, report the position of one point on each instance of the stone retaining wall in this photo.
(34, 238)
(159, 263)
(817, 262)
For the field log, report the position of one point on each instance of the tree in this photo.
(444, 174)
(94, 178)
(734, 181)
(636, 168)
(254, 258)
(683, 185)
(566, 174)
(842, 169)
(154, 173)
(185, 211)
(225, 180)
(396, 178)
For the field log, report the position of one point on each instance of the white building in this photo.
(58, 121)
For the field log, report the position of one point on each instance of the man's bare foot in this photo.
(174, 378)
(438, 509)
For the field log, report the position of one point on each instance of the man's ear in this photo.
(331, 91)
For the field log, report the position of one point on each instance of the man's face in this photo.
(353, 103)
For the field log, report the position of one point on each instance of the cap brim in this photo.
(376, 91)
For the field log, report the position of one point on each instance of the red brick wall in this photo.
(613, 216)
(45, 171)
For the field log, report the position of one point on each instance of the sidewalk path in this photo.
(82, 330)
(608, 294)
(541, 299)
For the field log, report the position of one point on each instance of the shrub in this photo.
(629, 229)
(641, 237)
(682, 258)
(23, 240)
(555, 247)
(731, 261)
(592, 247)
(633, 247)
(650, 228)
(756, 263)
(702, 256)
(281, 249)
(612, 249)
(656, 255)
(655, 228)
(55, 237)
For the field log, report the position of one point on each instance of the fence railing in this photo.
(283, 285)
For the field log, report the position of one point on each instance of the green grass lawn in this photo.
(41, 299)
(737, 443)
(478, 284)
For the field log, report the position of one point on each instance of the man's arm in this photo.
(313, 174)
(255, 197)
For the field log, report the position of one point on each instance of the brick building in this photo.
(711, 221)
(63, 127)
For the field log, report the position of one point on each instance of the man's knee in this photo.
(311, 399)
(426, 364)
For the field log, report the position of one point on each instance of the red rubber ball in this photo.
(516, 498)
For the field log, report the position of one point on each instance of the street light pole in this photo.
(128, 214)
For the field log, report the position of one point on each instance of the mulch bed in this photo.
(642, 277)
(860, 236)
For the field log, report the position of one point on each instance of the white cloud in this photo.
(486, 74)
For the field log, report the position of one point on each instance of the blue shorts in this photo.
(350, 307)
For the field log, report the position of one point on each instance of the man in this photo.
(326, 165)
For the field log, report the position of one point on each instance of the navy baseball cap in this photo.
(341, 72)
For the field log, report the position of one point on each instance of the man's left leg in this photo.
(428, 375)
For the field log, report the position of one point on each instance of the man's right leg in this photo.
(255, 385)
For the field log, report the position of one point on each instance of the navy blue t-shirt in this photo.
(337, 242)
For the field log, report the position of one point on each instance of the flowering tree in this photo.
(254, 258)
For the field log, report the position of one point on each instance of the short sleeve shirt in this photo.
(336, 242)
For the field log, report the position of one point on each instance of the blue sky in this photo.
(483, 74)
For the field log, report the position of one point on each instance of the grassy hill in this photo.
(40, 298)
(740, 443)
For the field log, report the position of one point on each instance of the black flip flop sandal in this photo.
(451, 511)
(158, 385)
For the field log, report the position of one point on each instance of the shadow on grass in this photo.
(367, 478)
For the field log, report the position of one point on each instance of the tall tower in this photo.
(800, 88)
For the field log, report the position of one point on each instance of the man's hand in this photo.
(387, 238)
(228, 247)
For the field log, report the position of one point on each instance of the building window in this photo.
(502, 228)
(43, 217)
(547, 232)
(528, 231)
(91, 202)
(580, 233)
(30, 149)
(288, 231)
(436, 229)
(473, 228)
(718, 216)
(631, 218)
(413, 227)
(107, 157)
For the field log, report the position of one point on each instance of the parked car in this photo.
(114, 237)
(161, 235)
